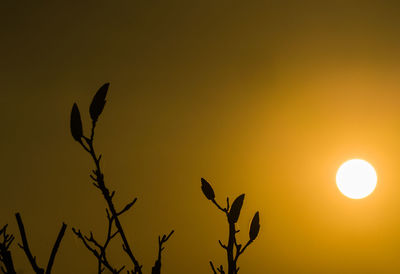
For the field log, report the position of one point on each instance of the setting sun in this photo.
(356, 179)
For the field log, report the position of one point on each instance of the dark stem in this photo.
(161, 240)
(55, 248)
(213, 268)
(5, 254)
(229, 249)
(28, 253)
(99, 178)
(100, 255)
(25, 246)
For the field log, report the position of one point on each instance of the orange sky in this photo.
(266, 98)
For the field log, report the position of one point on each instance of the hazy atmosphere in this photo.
(266, 98)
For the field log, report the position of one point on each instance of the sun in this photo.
(356, 178)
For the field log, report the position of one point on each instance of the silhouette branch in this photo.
(55, 248)
(99, 251)
(220, 269)
(99, 182)
(5, 253)
(28, 253)
(232, 212)
(25, 246)
(95, 110)
(161, 240)
(97, 176)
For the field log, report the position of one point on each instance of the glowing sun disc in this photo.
(356, 179)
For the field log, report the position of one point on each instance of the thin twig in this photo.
(99, 183)
(25, 246)
(97, 176)
(55, 248)
(212, 267)
(28, 253)
(5, 254)
(99, 251)
(161, 240)
(101, 256)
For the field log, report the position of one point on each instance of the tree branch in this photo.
(25, 246)
(55, 248)
(28, 253)
(99, 179)
(5, 254)
(161, 240)
(100, 254)
(232, 213)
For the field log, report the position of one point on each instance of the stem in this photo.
(31, 258)
(161, 240)
(55, 248)
(229, 250)
(5, 254)
(106, 193)
(25, 246)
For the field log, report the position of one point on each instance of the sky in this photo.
(265, 98)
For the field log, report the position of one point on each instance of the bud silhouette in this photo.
(207, 189)
(76, 123)
(254, 227)
(98, 102)
(234, 213)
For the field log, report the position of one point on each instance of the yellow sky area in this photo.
(264, 98)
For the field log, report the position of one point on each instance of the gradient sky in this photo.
(266, 98)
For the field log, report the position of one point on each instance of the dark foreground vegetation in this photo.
(115, 229)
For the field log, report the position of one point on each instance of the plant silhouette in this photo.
(233, 248)
(5, 253)
(115, 227)
(25, 247)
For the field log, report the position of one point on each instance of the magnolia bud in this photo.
(234, 213)
(254, 227)
(76, 123)
(207, 189)
(98, 102)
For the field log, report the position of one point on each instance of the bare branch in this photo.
(102, 259)
(55, 248)
(222, 245)
(221, 269)
(5, 254)
(28, 253)
(161, 240)
(98, 177)
(225, 210)
(127, 207)
(213, 268)
(25, 246)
